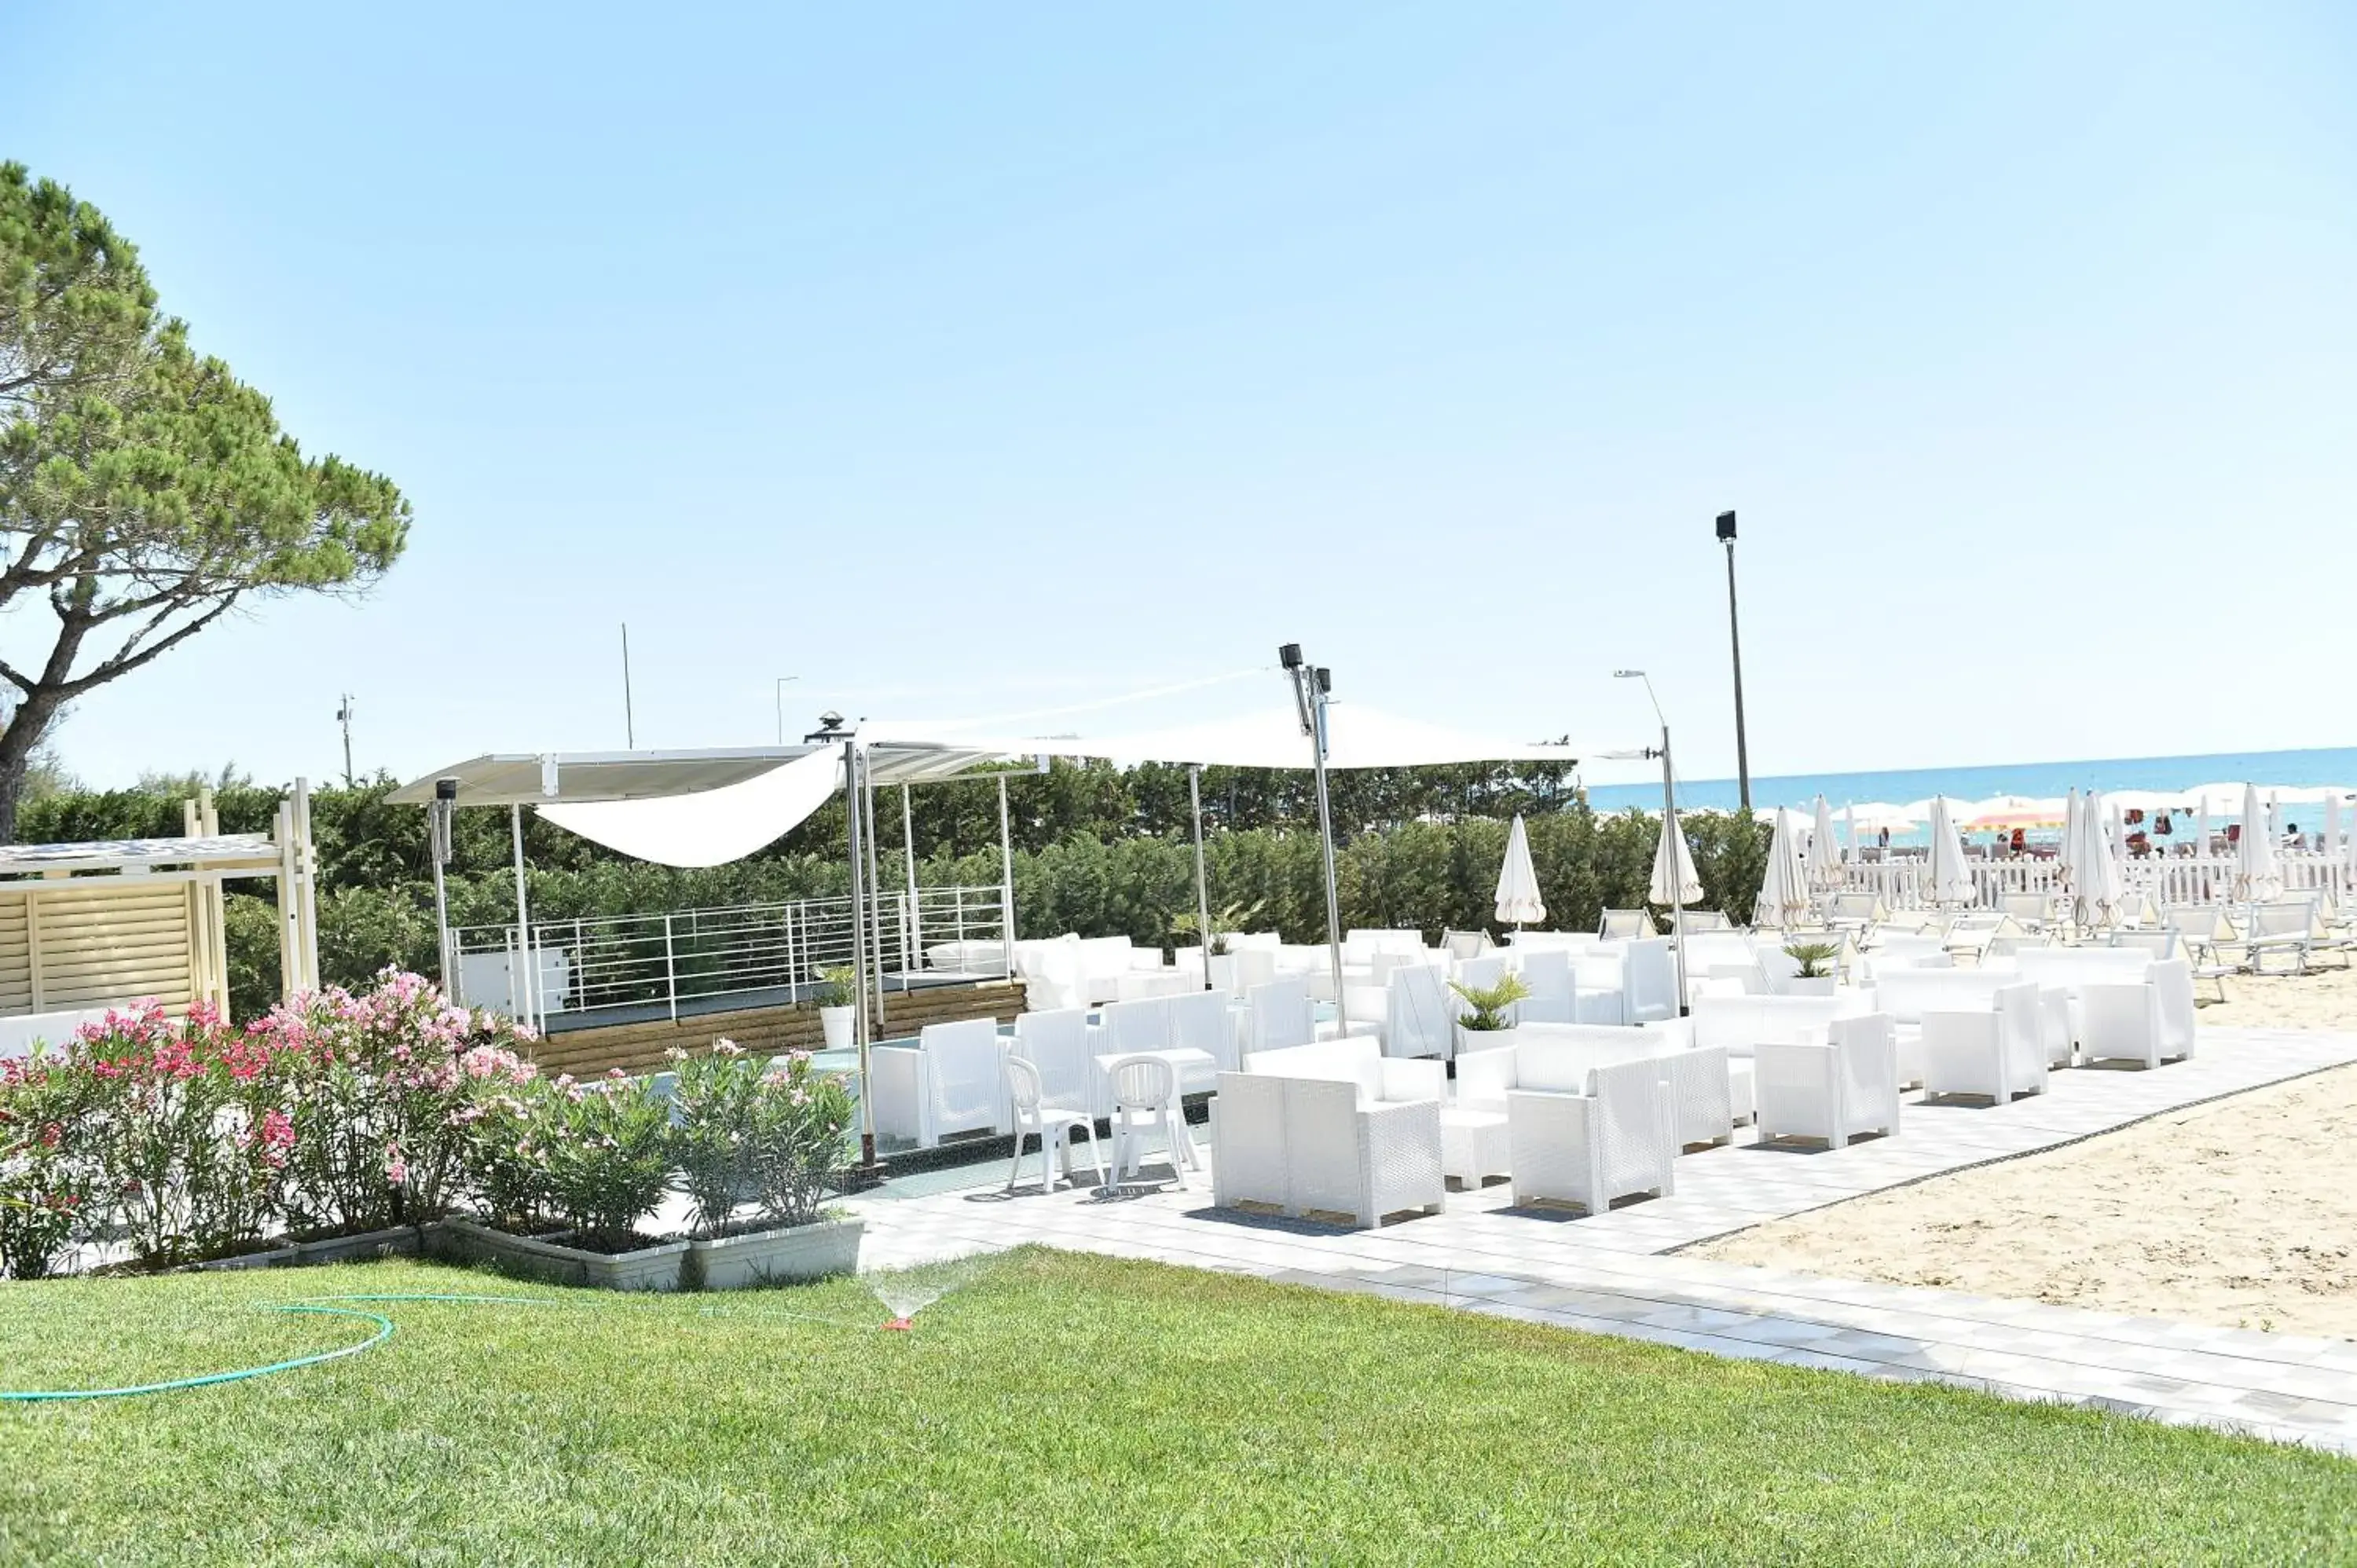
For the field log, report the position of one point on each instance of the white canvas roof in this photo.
(1357, 737)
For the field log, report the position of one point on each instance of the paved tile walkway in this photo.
(1608, 1273)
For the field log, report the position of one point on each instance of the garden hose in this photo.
(326, 1306)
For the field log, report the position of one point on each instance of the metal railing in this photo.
(652, 965)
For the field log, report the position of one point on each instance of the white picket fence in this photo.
(2192, 879)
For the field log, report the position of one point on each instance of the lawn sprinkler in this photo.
(901, 1325)
(904, 1293)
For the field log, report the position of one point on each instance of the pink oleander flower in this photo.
(396, 1170)
(725, 1046)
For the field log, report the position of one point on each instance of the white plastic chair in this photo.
(1627, 923)
(1999, 1052)
(1035, 1116)
(1146, 1098)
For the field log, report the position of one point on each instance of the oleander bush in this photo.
(347, 1112)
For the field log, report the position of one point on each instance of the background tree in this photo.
(144, 491)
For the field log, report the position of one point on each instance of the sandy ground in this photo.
(2240, 1212)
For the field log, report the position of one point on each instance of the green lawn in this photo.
(1059, 1408)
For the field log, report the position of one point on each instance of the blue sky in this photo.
(972, 359)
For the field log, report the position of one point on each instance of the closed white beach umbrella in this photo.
(1784, 889)
(1849, 830)
(1674, 882)
(1950, 875)
(1825, 870)
(1518, 880)
(2332, 840)
(2066, 854)
(2258, 875)
(2098, 889)
(2201, 829)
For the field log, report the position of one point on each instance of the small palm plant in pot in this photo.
(1815, 974)
(834, 997)
(1491, 1009)
(1226, 921)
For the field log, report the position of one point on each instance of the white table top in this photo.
(1182, 1057)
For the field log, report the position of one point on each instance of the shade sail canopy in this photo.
(1357, 737)
(708, 827)
(519, 779)
(1518, 900)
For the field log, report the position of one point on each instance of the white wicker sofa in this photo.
(1543, 1056)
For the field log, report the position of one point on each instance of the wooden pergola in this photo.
(85, 926)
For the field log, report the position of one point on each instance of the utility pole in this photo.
(630, 720)
(1735, 644)
(344, 718)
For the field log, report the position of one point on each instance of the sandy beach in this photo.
(2239, 1212)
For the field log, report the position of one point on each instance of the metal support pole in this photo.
(1678, 908)
(874, 887)
(912, 930)
(1202, 888)
(520, 989)
(1325, 842)
(438, 834)
(859, 1022)
(1735, 645)
(1006, 878)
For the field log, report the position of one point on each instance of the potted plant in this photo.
(1488, 1025)
(834, 994)
(595, 1159)
(755, 1143)
(1218, 957)
(1815, 977)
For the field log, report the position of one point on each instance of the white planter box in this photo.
(1817, 985)
(548, 1258)
(1470, 1040)
(768, 1257)
(395, 1240)
(836, 1021)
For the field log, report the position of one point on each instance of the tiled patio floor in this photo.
(1609, 1274)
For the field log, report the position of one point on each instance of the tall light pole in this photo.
(629, 716)
(1669, 825)
(1311, 686)
(782, 705)
(1735, 645)
(344, 718)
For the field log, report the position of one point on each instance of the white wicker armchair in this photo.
(948, 1082)
(1834, 1089)
(1611, 1141)
(1999, 1051)
(1309, 1147)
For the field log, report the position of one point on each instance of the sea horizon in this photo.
(2315, 765)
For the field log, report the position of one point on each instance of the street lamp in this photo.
(1669, 827)
(1735, 644)
(1311, 686)
(782, 705)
